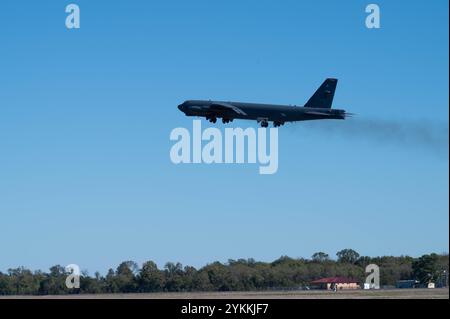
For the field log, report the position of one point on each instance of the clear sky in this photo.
(85, 118)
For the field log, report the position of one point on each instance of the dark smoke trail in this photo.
(427, 136)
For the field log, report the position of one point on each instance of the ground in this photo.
(440, 293)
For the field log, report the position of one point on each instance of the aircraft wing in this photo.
(226, 107)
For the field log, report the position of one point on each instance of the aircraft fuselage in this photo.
(257, 111)
(318, 107)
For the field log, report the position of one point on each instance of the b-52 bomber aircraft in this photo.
(318, 107)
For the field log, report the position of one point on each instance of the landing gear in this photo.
(277, 123)
(264, 123)
(225, 121)
(211, 119)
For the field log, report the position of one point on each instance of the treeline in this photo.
(235, 275)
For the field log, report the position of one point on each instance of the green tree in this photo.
(126, 276)
(348, 256)
(23, 282)
(189, 273)
(241, 274)
(219, 276)
(111, 282)
(200, 281)
(173, 273)
(93, 285)
(150, 278)
(54, 283)
(320, 257)
(426, 268)
(5, 284)
(363, 261)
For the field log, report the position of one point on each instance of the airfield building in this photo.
(408, 283)
(339, 282)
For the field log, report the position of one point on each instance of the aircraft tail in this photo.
(323, 97)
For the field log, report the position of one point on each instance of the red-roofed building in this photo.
(340, 283)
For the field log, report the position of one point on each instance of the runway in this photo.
(438, 293)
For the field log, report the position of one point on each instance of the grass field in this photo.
(441, 293)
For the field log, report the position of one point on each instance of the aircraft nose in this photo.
(181, 107)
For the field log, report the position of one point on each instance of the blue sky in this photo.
(85, 118)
